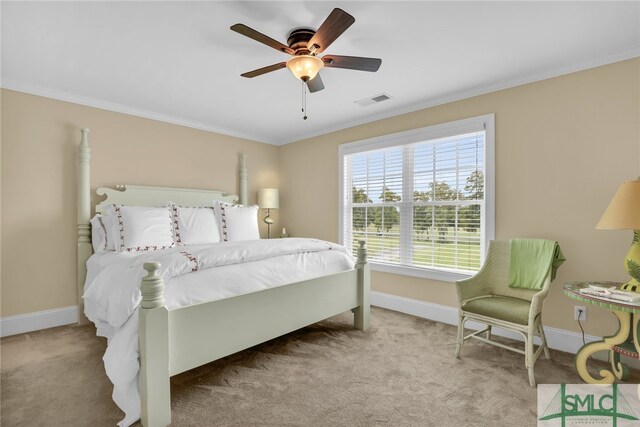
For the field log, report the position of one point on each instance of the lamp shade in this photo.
(623, 212)
(305, 67)
(269, 198)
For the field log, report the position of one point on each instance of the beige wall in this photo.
(39, 138)
(563, 146)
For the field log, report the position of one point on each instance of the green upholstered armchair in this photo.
(488, 299)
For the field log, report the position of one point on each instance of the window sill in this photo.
(423, 273)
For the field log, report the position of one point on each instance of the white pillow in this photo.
(143, 229)
(193, 226)
(238, 222)
(98, 234)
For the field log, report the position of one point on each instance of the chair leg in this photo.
(489, 332)
(543, 341)
(460, 337)
(528, 356)
(532, 377)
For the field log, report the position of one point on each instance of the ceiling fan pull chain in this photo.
(304, 100)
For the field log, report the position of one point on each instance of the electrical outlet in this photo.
(579, 313)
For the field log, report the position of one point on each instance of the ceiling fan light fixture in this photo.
(305, 67)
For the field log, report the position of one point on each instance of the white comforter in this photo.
(216, 271)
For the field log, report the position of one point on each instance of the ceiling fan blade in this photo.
(259, 37)
(352, 62)
(264, 70)
(315, 84)
(336, 23)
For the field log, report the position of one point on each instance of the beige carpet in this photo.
(400, 372)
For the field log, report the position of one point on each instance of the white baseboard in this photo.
(558, 339)
(12, 325)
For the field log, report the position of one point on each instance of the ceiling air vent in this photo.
(373, 99)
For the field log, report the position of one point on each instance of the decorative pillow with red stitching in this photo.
(238, 222)
(143, 229)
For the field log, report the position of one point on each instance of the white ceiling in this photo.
(179, 62)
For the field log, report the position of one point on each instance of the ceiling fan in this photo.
(305, 44)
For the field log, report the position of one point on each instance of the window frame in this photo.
(442, 130)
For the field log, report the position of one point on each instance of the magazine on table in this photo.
(611, 294)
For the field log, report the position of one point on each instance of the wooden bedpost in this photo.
(153, 331)
(361, 313)
(243, 180)
(83, 219)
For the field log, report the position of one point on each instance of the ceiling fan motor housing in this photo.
(298, 40)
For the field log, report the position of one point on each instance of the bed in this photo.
(172, 341)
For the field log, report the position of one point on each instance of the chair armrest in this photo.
(470, 288)
(538, 299)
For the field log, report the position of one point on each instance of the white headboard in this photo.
(134, 195)
(138, 195)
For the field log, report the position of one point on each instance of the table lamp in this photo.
(623, 213)
(268, 198)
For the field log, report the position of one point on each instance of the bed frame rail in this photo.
(195, 335)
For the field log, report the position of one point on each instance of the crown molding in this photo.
(124, 109)
(429, 103)
(480, 90)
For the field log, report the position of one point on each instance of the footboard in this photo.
(175, 341)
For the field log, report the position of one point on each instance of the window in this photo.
(422, 199)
